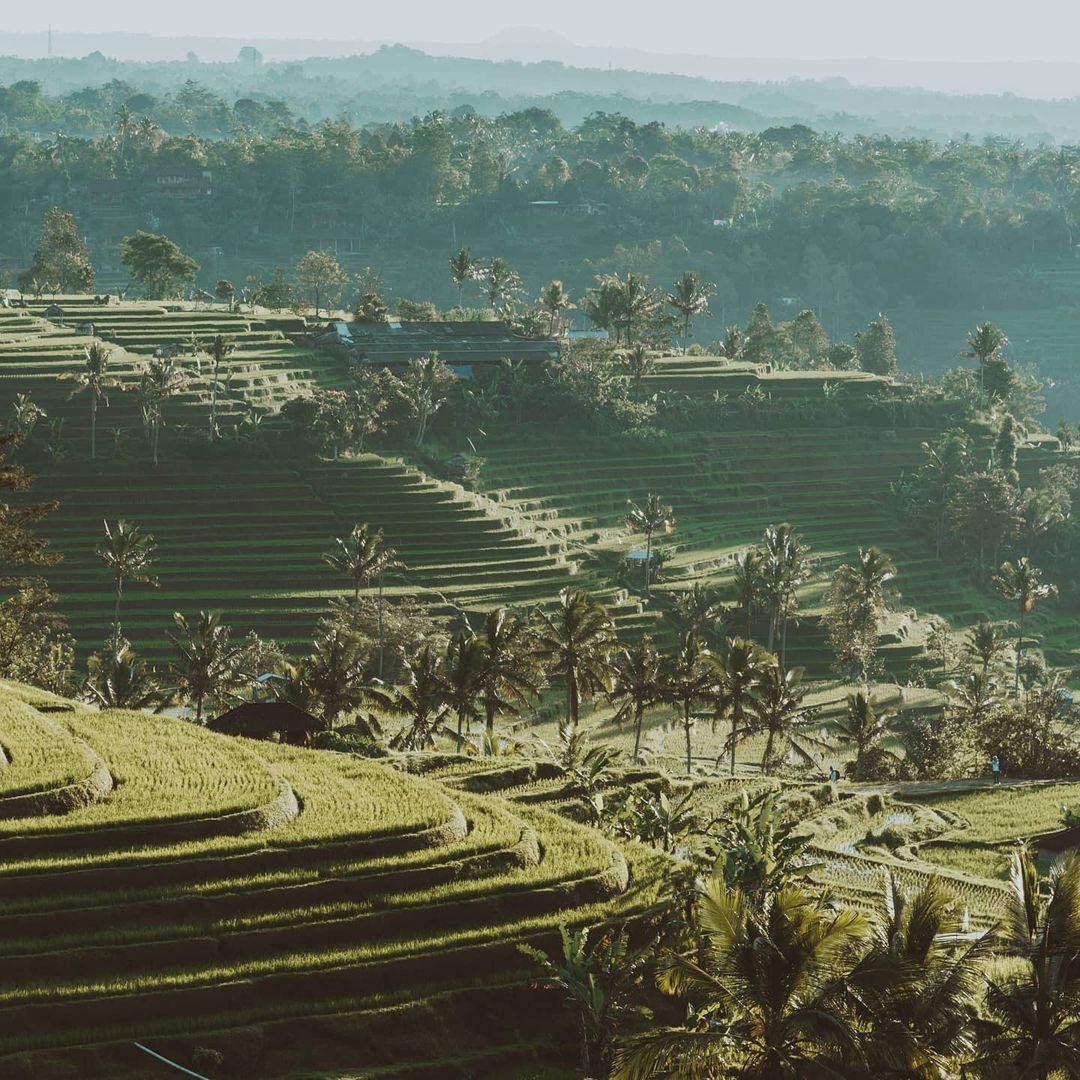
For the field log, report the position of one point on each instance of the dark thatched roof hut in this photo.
(269, 720)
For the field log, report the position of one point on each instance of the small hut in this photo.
(269, 720)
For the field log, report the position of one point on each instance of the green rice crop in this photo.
(41, 751)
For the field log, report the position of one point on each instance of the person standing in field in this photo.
(995, 769)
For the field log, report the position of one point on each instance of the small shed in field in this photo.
(269, 720)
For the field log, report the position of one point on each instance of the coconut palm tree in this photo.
(922, 1015)
(972, 697)
(740, 669)
(863, 728)
(501, 284)
(859, 597)
(420, 698)
(698, 607)
(575, 642)
(128, 552)
(1034, 1008)
(1021, 583)
(690, 297)
(220, 350)
(95, 380)
(118, 679)
(985, 343)
(639, 683)
(769, 988)
(333, 676)
(554, 299)
(749, 584)
(464, 672)
(363, 557)
(462, 269)
(650, 518)
(162, 379)
(510, 675)
(986, 642)
(774, 709)
(638, 364)
(784, 568)
(689, 679)
(206, 657)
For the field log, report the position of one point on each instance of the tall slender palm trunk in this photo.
(686, 729)
(639, 716)
(1019, 653)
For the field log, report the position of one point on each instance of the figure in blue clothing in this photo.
(995, 769)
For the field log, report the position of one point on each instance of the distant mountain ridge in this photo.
(1026, 78)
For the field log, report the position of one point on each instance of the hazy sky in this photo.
(900, 29)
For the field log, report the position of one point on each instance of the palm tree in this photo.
(554, 299)
(501, 284)
(464, 673)
(206, 656)
(1035, 1010)
(775, 708)
(639, 364)
(118, 679)
(220, 350)
(972, 697)
(420, 698)
(94, 379)
(363, 557)
(129, 553)
(162, 379)
(575, 642)
(462, 269)
(637, 302)
(698, 607)
(985, 343)
(1021, 583)
(689, 679)
(986, 642)
(510, 674)
(862, 728)
(648, 519)
(690, 297)
(639, 683)
(740, 669)
(334, 675)
(923, 1017)
(784, 568)
(749, 584)
(769, 989)
(859, 597)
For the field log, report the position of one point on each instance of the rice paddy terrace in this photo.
(287, 912)
(247, 536)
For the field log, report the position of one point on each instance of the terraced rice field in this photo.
(249, 538)
(263, 371)
(39, 752)
(831, 485)
(379, 892)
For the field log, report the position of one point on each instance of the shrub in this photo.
(348, 742)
